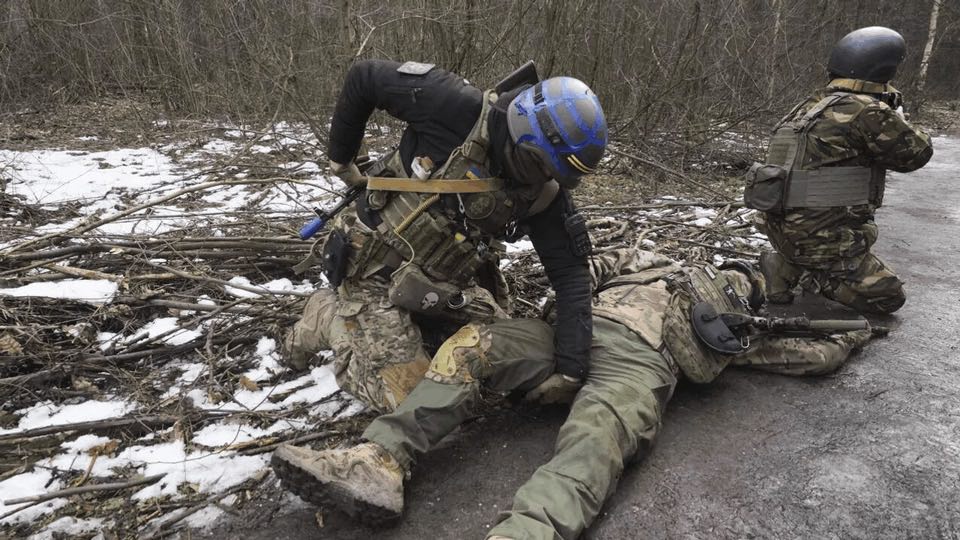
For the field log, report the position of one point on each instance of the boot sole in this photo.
(324, 494)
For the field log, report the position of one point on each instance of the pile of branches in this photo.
(46, 343)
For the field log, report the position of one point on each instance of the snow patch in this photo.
(275, 286)
(52, 176)
(37, 482)
(91, 291)
(46, 413)
(68, 527)
(162, 325)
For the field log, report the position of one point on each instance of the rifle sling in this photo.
(445, 185)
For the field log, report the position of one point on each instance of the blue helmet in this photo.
(560, 120)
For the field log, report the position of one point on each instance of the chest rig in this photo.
(785, 182)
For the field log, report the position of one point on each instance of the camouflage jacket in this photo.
(859, 129)
(631, 290)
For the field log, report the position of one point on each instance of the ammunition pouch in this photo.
(412, 290)
(766, 187)
(336, 253)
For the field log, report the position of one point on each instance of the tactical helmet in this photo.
(559, 121)
(869, 54)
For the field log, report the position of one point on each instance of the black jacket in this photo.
(440, 108)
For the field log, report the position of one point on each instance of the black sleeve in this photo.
(569, 276)
(438, 107)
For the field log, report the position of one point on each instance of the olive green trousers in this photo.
(615, 416)
(613, 420)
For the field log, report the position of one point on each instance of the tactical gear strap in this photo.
(858, 85)
(475, 146)
(817, 110)
(444, 185)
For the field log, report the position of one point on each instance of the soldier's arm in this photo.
(569, 276)
(891, 141)
(439, 106)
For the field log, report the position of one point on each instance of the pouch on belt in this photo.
(412, 290)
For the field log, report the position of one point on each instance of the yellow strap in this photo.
(440, 185)
(858, 85)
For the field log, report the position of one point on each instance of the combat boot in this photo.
(364, 481)
(780, 277)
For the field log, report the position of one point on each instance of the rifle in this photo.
(324, 216)
(730, 333)
(365, 164)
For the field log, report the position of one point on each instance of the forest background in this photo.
(686, 70)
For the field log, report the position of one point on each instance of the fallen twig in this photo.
(296, 440)
(94, 425)
(112, 486)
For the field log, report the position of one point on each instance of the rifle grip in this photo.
(312, 228)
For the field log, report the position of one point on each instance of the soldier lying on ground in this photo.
(643, 341)
(824, 178)
(421, 254)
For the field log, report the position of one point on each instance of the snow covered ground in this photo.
(98, 184)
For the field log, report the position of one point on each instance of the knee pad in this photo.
(456, 360)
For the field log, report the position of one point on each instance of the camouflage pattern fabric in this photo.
(378, 349)
(802, 356)
(379, 356)
(833, 243)
(614, 418)
(864, 283)
(310, 334)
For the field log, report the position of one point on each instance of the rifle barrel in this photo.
(839, 325)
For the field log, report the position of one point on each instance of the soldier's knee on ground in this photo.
(780, 277)
(310, 334)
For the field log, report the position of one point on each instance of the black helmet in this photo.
(869, 54)
(559, 121)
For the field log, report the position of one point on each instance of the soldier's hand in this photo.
(556, 389)
(349, 173)
(903, 116)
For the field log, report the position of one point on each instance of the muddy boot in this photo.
(364, 481)
(780, 276)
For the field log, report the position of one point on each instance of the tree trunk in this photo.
(927, 51)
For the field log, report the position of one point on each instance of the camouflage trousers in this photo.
(378, 348)
(832, 258)
(613, 420)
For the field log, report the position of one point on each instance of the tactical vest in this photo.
(432, 244)
(785, 182)
(688, 286)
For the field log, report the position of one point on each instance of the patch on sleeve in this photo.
(415, 68)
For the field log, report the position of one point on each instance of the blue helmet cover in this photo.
(561, 120)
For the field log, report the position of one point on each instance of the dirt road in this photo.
(872, 452)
